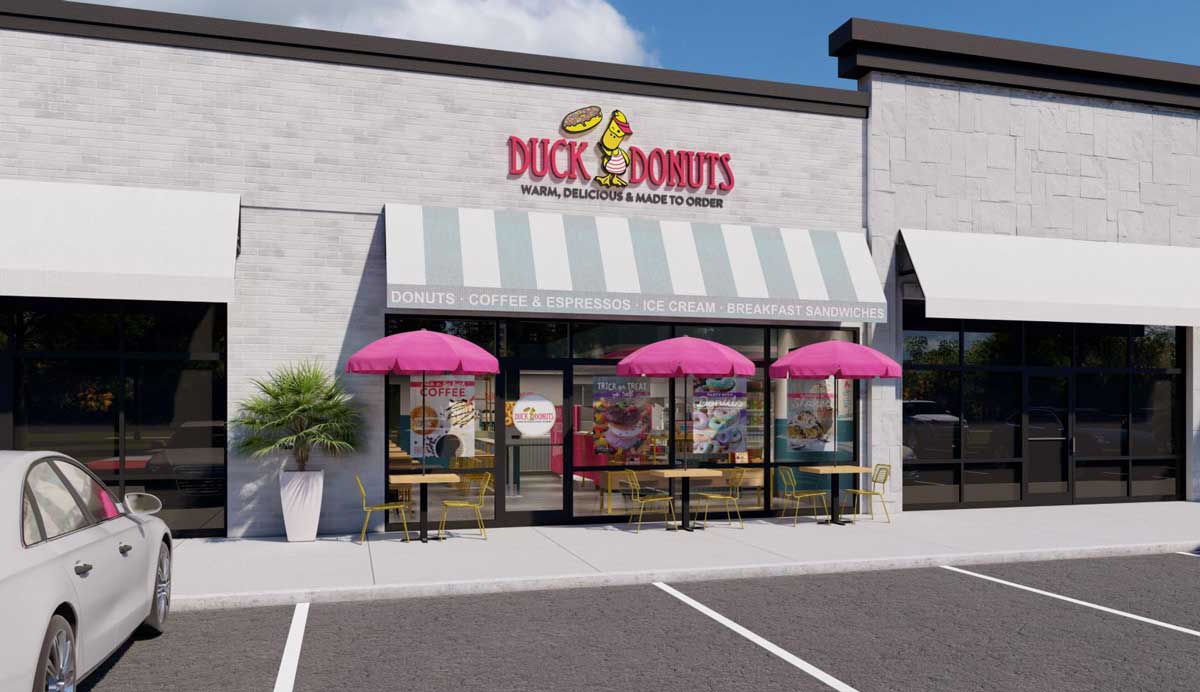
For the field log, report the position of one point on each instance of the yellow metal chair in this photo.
(791, 491)
(402, 506)
(879, 479)
(642, 498)
(729, 498)
(482, 481)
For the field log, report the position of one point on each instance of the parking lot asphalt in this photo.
(927, 629)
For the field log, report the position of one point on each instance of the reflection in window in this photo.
(1100, 479)
(1048, 344)
(1155, 346)
(992, 343)
(1101, 415)
(991, 482)
(614, 341)
(70, 406)
(30, 532)
(1155, 479)
(1102, 345)
(1155, 401)
(931, 485)
(96, 499)
(174, 327)
(930, 414)
(747, 341)
(991, 415)
(784, 341)
(535, 339)
(68, 325)
(482, 333)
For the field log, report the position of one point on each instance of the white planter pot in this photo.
(300, 492)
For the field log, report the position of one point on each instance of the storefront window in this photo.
(535, 339)
(614, 341)
(928, 341)
(930, 414)
(1083, 412)
(1102, 345)
(747, 341)
(1155, 346)
(159, 366)
(442, 423)
(482, 333)
(992, 343)
(991, 427)
(784, 341)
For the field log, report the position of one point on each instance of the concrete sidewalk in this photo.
(220, 573)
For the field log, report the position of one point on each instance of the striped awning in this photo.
(446, 260)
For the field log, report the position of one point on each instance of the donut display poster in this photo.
(621, 415)
(810, 415)
(719, 415)
(449, 412)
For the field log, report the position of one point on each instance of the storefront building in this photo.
(189, 203)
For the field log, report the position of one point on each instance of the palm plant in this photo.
(298, 408)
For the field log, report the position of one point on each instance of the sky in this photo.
(779, 40)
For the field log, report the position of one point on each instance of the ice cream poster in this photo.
(445, 425)
(621, 414)
(810, 415)
(719, 415)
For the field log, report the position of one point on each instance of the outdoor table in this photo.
(835, 473)
(686, 475)
(423, 480)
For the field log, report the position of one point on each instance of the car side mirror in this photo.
(142, 503)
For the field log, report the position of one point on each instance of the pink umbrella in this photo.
(685, 355)
(840, 359)
(421, 352)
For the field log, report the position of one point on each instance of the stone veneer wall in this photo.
(974, 158)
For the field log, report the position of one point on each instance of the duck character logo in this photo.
(620, 165)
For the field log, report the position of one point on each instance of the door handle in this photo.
(124, 548)
(82, 568)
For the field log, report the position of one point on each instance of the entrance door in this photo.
(536, 458)
(1048, 439)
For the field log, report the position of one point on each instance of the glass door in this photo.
(1048, 439)
(536, 460)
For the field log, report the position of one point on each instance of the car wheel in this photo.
(56, 671)
(160, 598)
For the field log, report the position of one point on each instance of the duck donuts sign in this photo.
(616, 164)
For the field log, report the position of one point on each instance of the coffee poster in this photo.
(621, 416)
(444, 426)
(719, 416)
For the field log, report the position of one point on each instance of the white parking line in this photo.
(1103, 609)
(764, 643)
(1189, 554)
(291, 650)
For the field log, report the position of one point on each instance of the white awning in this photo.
(530, 262)
(1000, 277)
(67, 240)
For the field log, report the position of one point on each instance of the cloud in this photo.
(590, 29)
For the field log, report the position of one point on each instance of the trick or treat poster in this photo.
(621, 415)
(810, 415)
(719, 415)
(448, 412)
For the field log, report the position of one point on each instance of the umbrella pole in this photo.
(424, 424)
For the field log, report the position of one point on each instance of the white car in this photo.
(79, 571)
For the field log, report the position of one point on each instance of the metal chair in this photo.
(791, 491)
(481, 480)
(402, 506)
(642, 498)
(729, 498)
(879, 479)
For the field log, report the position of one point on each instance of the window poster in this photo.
(810, 415)
(622, 416)
(719, 415)
(445, 426)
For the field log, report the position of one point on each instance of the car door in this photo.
(125, 539)
(85, 554)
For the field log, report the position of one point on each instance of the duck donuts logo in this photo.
(534, 415)
(617, 163)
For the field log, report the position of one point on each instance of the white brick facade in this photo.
(966, 157)
(317, 149)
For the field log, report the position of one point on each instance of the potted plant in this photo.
(299, 408)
